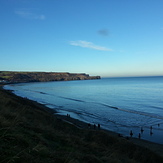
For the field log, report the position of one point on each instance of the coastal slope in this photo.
(21, 77)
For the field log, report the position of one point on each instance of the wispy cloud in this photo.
(29, 14)
(90, 45)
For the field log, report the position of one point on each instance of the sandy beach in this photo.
(81, 126)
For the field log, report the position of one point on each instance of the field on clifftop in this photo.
(20, 77)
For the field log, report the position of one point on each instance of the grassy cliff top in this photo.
(18, 77)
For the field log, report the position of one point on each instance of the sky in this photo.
(110, 38)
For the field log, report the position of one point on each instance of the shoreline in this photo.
(122, 134)
(156, 148)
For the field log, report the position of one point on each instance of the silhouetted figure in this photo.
(68, 115)
(139, 136)
(98, 126)
(158, 125)
(142, 130)
(89, 125)
(94, 126)
(131, 133)
(151, 128)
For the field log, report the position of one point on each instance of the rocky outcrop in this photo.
(21, 77)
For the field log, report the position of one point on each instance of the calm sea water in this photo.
(118, 104)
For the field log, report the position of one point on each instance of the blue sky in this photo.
(98, 37)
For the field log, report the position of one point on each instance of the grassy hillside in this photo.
(29, 132)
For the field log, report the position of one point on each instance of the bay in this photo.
(117, 104)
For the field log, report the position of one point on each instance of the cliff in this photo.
(21, 77)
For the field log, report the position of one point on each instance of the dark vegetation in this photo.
(31, 133)
(20, 77)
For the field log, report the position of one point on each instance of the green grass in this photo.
(31, 133)
(8, 74)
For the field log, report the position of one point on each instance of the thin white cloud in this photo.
(28, 14)
(90, 45)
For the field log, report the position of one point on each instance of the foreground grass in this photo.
(30, 133)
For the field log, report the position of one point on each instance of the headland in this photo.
(24, 77)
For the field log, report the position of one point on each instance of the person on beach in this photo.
(142, 130)
(68, 115)
(151, 133)
(89, 125)
(131, 133)
(99, 126)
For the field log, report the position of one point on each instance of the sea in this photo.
(120, 105)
